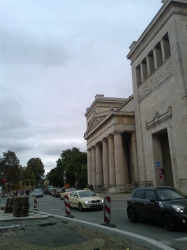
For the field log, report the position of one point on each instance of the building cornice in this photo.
(169, 8)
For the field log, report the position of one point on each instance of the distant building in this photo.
(130, 140)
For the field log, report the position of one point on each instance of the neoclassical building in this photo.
(129, 140)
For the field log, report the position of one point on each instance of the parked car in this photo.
(85, 199)
(57, 192)
(50, 189)
(67, 191)
(37, 193)
(162, 204)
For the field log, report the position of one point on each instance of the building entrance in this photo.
(162, 154)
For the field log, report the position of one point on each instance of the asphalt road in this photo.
(177, 240)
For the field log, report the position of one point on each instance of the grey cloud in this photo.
(56, 148)
(19, 47)
(13, 121)
(15, 146)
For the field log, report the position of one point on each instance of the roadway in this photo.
(177, 240)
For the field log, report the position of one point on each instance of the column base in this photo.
(127, 188)
(145, 184)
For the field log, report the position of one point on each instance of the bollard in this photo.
(67, 207)
(35, 202)
(107, 213)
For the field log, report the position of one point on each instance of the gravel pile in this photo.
(56, 234)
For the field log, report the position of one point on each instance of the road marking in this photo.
(182, 239)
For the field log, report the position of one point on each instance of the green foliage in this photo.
(9, 166)
(36, 167)
(73, 163)
(28, 175)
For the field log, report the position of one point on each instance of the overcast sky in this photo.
(56, 55)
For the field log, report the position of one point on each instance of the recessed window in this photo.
(144, 69)
(138, 75)
(150, 63)
(158, 55)
(166, 46)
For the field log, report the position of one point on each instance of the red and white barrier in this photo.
(107, 213)
(67, 207)
(35, 202)
(107, 210)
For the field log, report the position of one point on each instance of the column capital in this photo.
(98, 145)
(110, 136)
(105, 140)
(118, 132)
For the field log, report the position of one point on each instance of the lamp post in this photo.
(64, 177)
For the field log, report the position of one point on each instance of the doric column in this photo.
(93, 167)
(119, 159)
(89, 166)
(105, 162)
(99, 170)
(112, 173)
(134, 165)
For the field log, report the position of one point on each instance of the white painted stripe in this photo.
(107, 203)
(107, 215)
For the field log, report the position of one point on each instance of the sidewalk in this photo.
(115, 196)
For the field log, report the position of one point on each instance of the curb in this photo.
(135, 238)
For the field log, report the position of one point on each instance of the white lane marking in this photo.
(182, 239)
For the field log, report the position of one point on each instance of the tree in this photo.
(72, 164)
(36, 166)
(9, 167)
(28, 175)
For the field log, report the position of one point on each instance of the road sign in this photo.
(160, 171)
(161, 177)
(158, 163)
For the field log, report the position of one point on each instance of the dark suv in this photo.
(160, 204)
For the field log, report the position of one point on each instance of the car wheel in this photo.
(131, 215)
(169, 222)
(80, 207)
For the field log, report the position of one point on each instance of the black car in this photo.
(161, 204)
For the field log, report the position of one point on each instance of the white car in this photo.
(67, 191)
(37, 193)
(83, 199)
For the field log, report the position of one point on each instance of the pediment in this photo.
(94, 122)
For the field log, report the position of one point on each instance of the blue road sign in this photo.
(158, 163)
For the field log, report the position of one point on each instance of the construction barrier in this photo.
(107, 209)
(67, 207)
(35, 202)
(107, 213)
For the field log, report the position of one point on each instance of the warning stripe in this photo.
(107, 214)
(67, 204)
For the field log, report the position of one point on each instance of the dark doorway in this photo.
(166, 158)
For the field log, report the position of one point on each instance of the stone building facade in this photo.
(130, 140)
